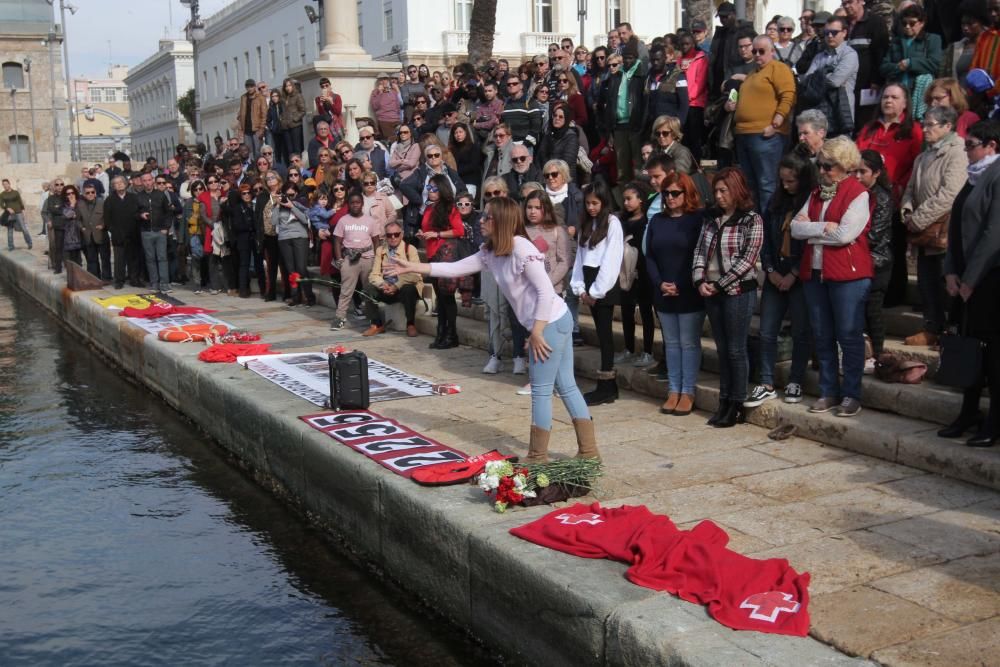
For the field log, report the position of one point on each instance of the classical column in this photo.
(340, 29)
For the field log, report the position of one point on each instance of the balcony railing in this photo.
(537, 43)
(456, 42)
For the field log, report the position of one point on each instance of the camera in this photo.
(284, 199)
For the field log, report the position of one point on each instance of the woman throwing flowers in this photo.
(519, 270)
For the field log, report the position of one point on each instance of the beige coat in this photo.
(381, 210)
(375, 277)
(939, 172)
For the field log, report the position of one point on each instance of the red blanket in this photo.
(695, 565)
(162, 310)
(227, 352)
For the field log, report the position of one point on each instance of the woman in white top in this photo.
(595, 280)
(519, 270)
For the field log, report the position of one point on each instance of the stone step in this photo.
(907, 437)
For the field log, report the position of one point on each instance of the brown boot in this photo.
(670, 404)
(586, 443)
(538, 448)
(684, 405)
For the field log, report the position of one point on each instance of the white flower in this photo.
(488, 482)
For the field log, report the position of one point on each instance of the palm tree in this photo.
(482, 26)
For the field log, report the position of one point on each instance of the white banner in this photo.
(155, 324)
(307, 375)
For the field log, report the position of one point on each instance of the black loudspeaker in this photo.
(349, 381)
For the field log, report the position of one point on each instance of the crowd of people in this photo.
(801, 173)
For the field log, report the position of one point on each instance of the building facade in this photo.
(33, 116)
(154, 86)
(101, 115)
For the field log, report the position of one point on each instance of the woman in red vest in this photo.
(836, 271)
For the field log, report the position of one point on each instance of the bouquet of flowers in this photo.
(536, 483)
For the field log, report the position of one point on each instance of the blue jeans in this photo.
(730, 319)
(573, 303)
(518, 334)
(682, 348)
(154, 244)
(759, 159)
(19, 223)
(773, 306)
(837, 316)
(555, 371)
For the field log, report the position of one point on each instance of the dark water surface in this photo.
(126, 539)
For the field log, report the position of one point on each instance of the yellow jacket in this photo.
(375, 277)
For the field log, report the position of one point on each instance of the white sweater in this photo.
(607, 255)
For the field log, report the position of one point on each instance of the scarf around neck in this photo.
(828, 192)
(557, 196)
(976, 169)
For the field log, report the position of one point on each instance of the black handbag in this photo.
(349, 381)
(961, 359)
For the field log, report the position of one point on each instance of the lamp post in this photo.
(195, 33)
(33, 144)
(50, 40)
(63, 6)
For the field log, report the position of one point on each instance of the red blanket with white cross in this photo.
(695, 565)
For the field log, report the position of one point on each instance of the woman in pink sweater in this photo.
(519, 270)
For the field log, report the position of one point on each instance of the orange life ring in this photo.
(191, 333)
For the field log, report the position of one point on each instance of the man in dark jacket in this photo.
(620, 109)
(121, 215)
(414, 187)
(867, 35)
(56, 225)
(724, 52)
(95, 239)
(523, 170)
(522, 114)
(155, 218)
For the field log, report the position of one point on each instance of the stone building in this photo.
(154, 85)
(31, 61)
(101, 124)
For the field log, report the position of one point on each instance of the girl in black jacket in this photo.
(560, 141)
(633, 219)
(872, 175)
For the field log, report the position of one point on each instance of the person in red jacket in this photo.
(836, 271)
(439, 230)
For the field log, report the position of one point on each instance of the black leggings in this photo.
(447, 309)
(638, 295)
(604, 316)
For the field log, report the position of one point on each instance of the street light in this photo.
(195, 33)
(33, 144)
(70, 91)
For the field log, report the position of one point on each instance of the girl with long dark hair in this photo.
(633, 219)
(439, 229)
(595, 280)
(871, 173)
(783, 294)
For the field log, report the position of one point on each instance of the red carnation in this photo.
(293, 280)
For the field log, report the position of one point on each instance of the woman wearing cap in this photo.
(519, 269)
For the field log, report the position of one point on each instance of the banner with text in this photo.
(385, 441)
(307, 375)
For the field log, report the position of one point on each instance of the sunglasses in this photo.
(346, 152)
(674, 194)
(367, 136)
(403, 133)
(553, 174)
(522, 158)
(563, 80)
(786, 29)
(89, 192)
(831, 33)
(433, 188)
(418, 118)
(464, 204)
(826, 166)
(493, 193)
(501, 134)
(368, 183)
(248, 193)
(910, 24)
(760, 52)
(511, 84)
(663, 133)
(266, 153)
(394, 235)
(293, 173)
(614, 64)
(339, 188)
(433, 155)
(970, 144)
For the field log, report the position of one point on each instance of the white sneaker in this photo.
(870, 366)
(520, 366)
(492, 366)
(623, 357)
(525, 390)
(793, 392)
(643, 360)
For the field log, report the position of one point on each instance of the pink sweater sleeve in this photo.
(538, 280)
(463, 267)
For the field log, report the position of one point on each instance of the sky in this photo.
(132, 28)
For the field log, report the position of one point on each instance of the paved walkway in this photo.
(905, 564)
